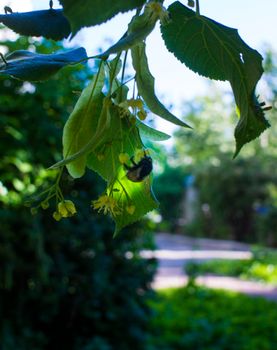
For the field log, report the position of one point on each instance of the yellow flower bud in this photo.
(130, 209)
(34, 211)
(57, 216)
(123, 158)
(62, 210)
(142, 114)
(100, 156)
(70, 206)
(133, 120)
(44, 205)
(139, 154)
(135, 103)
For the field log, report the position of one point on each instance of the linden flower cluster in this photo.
(137, 107)
(156, 9)
(65, 209)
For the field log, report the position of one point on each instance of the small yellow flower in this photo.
(123, 158)
(106, 204)
(130, 209)
(135, 103)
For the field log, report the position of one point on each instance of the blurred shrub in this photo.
(201, 319)
(233, 197)
(262, 267)
(66, 285)
(219, 267)
(169, 187)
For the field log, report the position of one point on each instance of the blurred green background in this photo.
(70, 285)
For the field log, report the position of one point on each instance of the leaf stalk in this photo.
(198, 7)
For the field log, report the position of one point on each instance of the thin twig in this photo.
(3, 59)
(197, 7)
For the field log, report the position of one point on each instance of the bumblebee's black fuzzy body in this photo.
(139, 171)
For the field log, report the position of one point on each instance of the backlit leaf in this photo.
(217, 52)
(105, 161)
(81, 126)
(146, 85)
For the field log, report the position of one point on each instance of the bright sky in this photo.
(255, 19)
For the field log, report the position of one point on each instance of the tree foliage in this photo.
(62, 284)
(104, 132)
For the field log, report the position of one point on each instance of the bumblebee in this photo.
(139, 171)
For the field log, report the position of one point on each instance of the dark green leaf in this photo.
(86, 13)
(146, 85)
(30, 66)
(51, 24)
(217, 52)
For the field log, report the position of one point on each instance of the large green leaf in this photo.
(217, 52)
(85, 13)
(122, 137)
(30, 66)
(81, 127)
(51, 24)
(146, 85)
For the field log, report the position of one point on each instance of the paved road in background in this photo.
(174, 251)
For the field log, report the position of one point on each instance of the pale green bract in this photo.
(78, 130)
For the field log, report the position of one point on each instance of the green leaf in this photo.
(145, 83)
(138, 29)
(81, 127)
(86, 13)
(122, 137)
(51, 24)
(151, 133)
(217, 52)
(30, 66)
